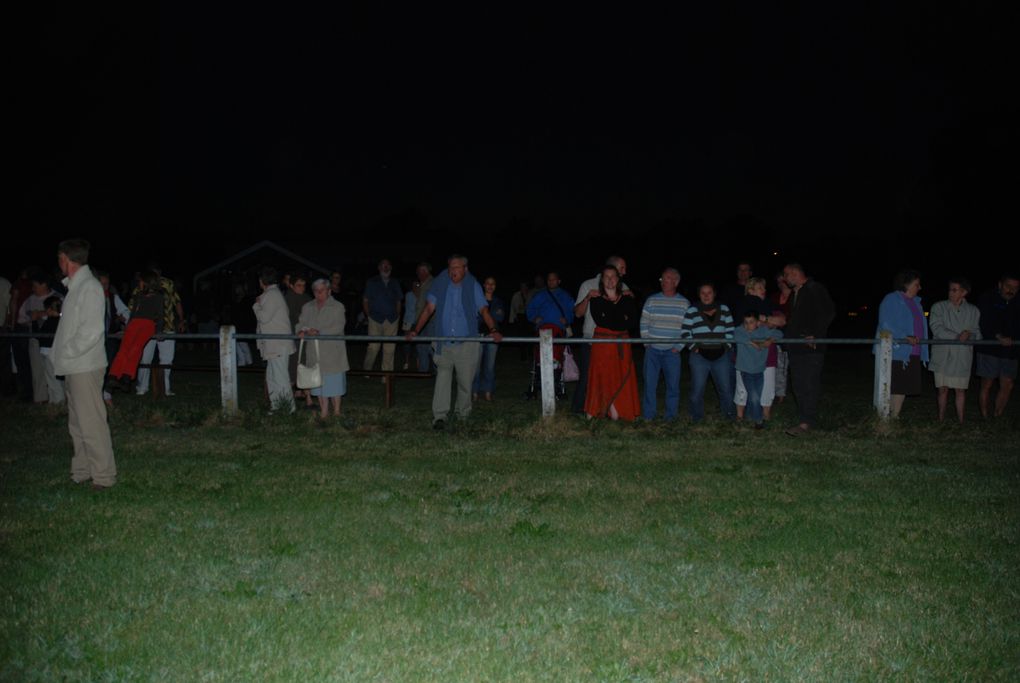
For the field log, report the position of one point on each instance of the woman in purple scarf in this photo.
(901, 314)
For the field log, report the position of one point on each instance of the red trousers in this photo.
(136, 335)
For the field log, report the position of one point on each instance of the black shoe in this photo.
(439, 425)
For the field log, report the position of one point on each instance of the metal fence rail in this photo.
(228, 338)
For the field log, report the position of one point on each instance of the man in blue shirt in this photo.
(382, 304)
(457, 301)
(551, 306)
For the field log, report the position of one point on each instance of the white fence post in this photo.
(228, 370)
(883, 375)
(545, 361)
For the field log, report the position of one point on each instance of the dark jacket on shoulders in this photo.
(811, 313)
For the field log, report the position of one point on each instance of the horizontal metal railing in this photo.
(228, 337)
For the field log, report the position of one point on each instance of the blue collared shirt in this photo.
(454, 320)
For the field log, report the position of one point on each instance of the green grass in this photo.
(372, 548)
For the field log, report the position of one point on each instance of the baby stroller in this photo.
(559, 386)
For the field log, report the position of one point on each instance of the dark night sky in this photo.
(849, 141)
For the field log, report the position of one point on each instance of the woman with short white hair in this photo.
(324, 315)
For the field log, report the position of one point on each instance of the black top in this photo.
(148, 305)
(811, 313)
(619, 317)
(999, 316)
(732, 294)
(749, 302)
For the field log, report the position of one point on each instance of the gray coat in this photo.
(330, 319)
(947, 322)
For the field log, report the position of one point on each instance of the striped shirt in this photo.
(698, 325)
(662, 318)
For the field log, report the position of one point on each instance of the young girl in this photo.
(146, 311)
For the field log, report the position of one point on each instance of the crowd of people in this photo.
(736, 336)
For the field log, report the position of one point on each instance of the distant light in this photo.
(852, 314)
(775, 253)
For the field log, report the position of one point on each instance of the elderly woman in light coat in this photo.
(957, 320)
(325, 315)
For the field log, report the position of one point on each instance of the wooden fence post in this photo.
(545, 358)
(228, 370)
(883, 375)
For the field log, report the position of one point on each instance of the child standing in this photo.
(753, 340)
(48, 325)
(146, 311)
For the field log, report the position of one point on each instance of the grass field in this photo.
(372, 548)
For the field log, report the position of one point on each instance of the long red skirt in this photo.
(612, 380)
(136, 335)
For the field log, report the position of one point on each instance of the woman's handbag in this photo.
(571, 373)
(308, 377)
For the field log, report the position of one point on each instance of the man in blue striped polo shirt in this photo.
(662, 318)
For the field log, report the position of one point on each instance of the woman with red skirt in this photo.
(612, 381)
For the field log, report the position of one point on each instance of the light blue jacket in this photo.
(894, 316)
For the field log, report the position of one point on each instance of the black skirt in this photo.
(906, 379)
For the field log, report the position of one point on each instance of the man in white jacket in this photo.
(79, 354)
(274, 318)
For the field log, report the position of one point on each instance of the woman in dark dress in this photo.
(612, 382)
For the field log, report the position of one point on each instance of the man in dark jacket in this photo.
(811, 313)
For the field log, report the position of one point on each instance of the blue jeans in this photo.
(485, 377)
(667, 362)
(753, 384)
(720, 370)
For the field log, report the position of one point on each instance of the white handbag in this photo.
(308, 377)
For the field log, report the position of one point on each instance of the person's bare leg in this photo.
(323, 407)
(336, 405)
(740, 411)
(985, 396)
(1005, 389)
(897, 404)
(766, 412)
(942, 397)
(961, 403)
